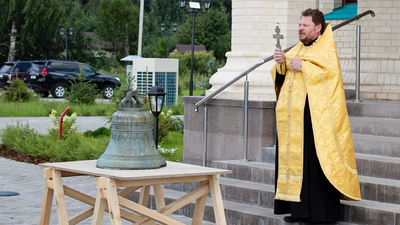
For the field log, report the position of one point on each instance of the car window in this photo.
(71, 68)
(87, 70)
(54, 67)
(6, 68)
(37, 68)
(22, 67)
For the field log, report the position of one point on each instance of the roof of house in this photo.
(187, 48)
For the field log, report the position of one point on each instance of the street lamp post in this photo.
(168, 33)
(156, 99)
(66, 36)
(193, 6)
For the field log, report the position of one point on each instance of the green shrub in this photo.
(82, 91)
(68, 125)
(17, 92)
(165, 124)
(74, 147)
(100, 132)
(199, 62)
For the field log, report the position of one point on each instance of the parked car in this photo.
(14, 68)
(55, 76)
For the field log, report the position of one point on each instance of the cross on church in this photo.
(278, 36)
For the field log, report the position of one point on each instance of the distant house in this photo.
(186, 48)
(102, 45)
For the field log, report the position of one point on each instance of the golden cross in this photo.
(278, 36)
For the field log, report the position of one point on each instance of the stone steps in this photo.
(377, 145)
(380, 196)
(375, 126)
(235, 213)
(257, 187)
(378, 166)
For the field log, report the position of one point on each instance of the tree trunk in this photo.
(13, 41)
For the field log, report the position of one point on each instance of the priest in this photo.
(315, 162)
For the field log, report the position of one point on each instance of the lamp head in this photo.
(162, 27)
(156, 98)
(174, 26)
(207, 4)
(71, 31)
(181, 4)
(62, 31)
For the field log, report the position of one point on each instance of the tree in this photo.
(113, 17)
(11, 17)
(40, 32)
(211, 30)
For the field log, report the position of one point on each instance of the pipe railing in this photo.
(260, 63)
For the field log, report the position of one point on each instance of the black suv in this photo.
(14, 68)
(55, 76)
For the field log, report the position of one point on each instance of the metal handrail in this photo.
(260, 63)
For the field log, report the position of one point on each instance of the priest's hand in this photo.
(295, 63)
(279, 56)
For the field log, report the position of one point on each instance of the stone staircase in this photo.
(248, 192)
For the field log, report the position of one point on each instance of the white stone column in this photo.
(253, 26)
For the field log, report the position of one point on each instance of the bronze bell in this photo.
(131, 145)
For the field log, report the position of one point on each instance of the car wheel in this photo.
(108, 91)
(59, 90)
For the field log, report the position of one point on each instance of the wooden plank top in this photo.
(173, 169)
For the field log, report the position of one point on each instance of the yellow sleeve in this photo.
(281, 68)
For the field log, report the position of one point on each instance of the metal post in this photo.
(358, 64)
(140, 27)
(66, 47)
(155, 132)
(205, 136)
(168, 45)
(246, 109)
(191, 63)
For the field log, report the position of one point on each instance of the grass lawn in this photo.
(37, 108)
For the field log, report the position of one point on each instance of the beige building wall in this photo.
(253, 25)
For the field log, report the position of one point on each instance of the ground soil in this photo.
(14, 155)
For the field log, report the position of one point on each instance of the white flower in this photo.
(73, 115)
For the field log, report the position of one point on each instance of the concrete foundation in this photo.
(225, 129)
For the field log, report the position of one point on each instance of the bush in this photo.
(100, 132)
(17, 92)
(82, 91)
(22, 139)
(165, 124)
(199, 62)
(68, 125)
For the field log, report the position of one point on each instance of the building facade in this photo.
(253, 26)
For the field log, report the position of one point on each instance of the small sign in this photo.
(33, 77)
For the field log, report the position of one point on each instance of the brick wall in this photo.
(253, 23)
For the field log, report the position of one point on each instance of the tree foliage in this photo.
(37, 24)
(211, 30)
(118, 21)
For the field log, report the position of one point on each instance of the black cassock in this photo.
(320, 201)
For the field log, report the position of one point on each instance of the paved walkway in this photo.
(27, 179)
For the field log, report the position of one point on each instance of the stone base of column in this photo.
(260, 81)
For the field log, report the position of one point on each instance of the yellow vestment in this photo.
(320, 79)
